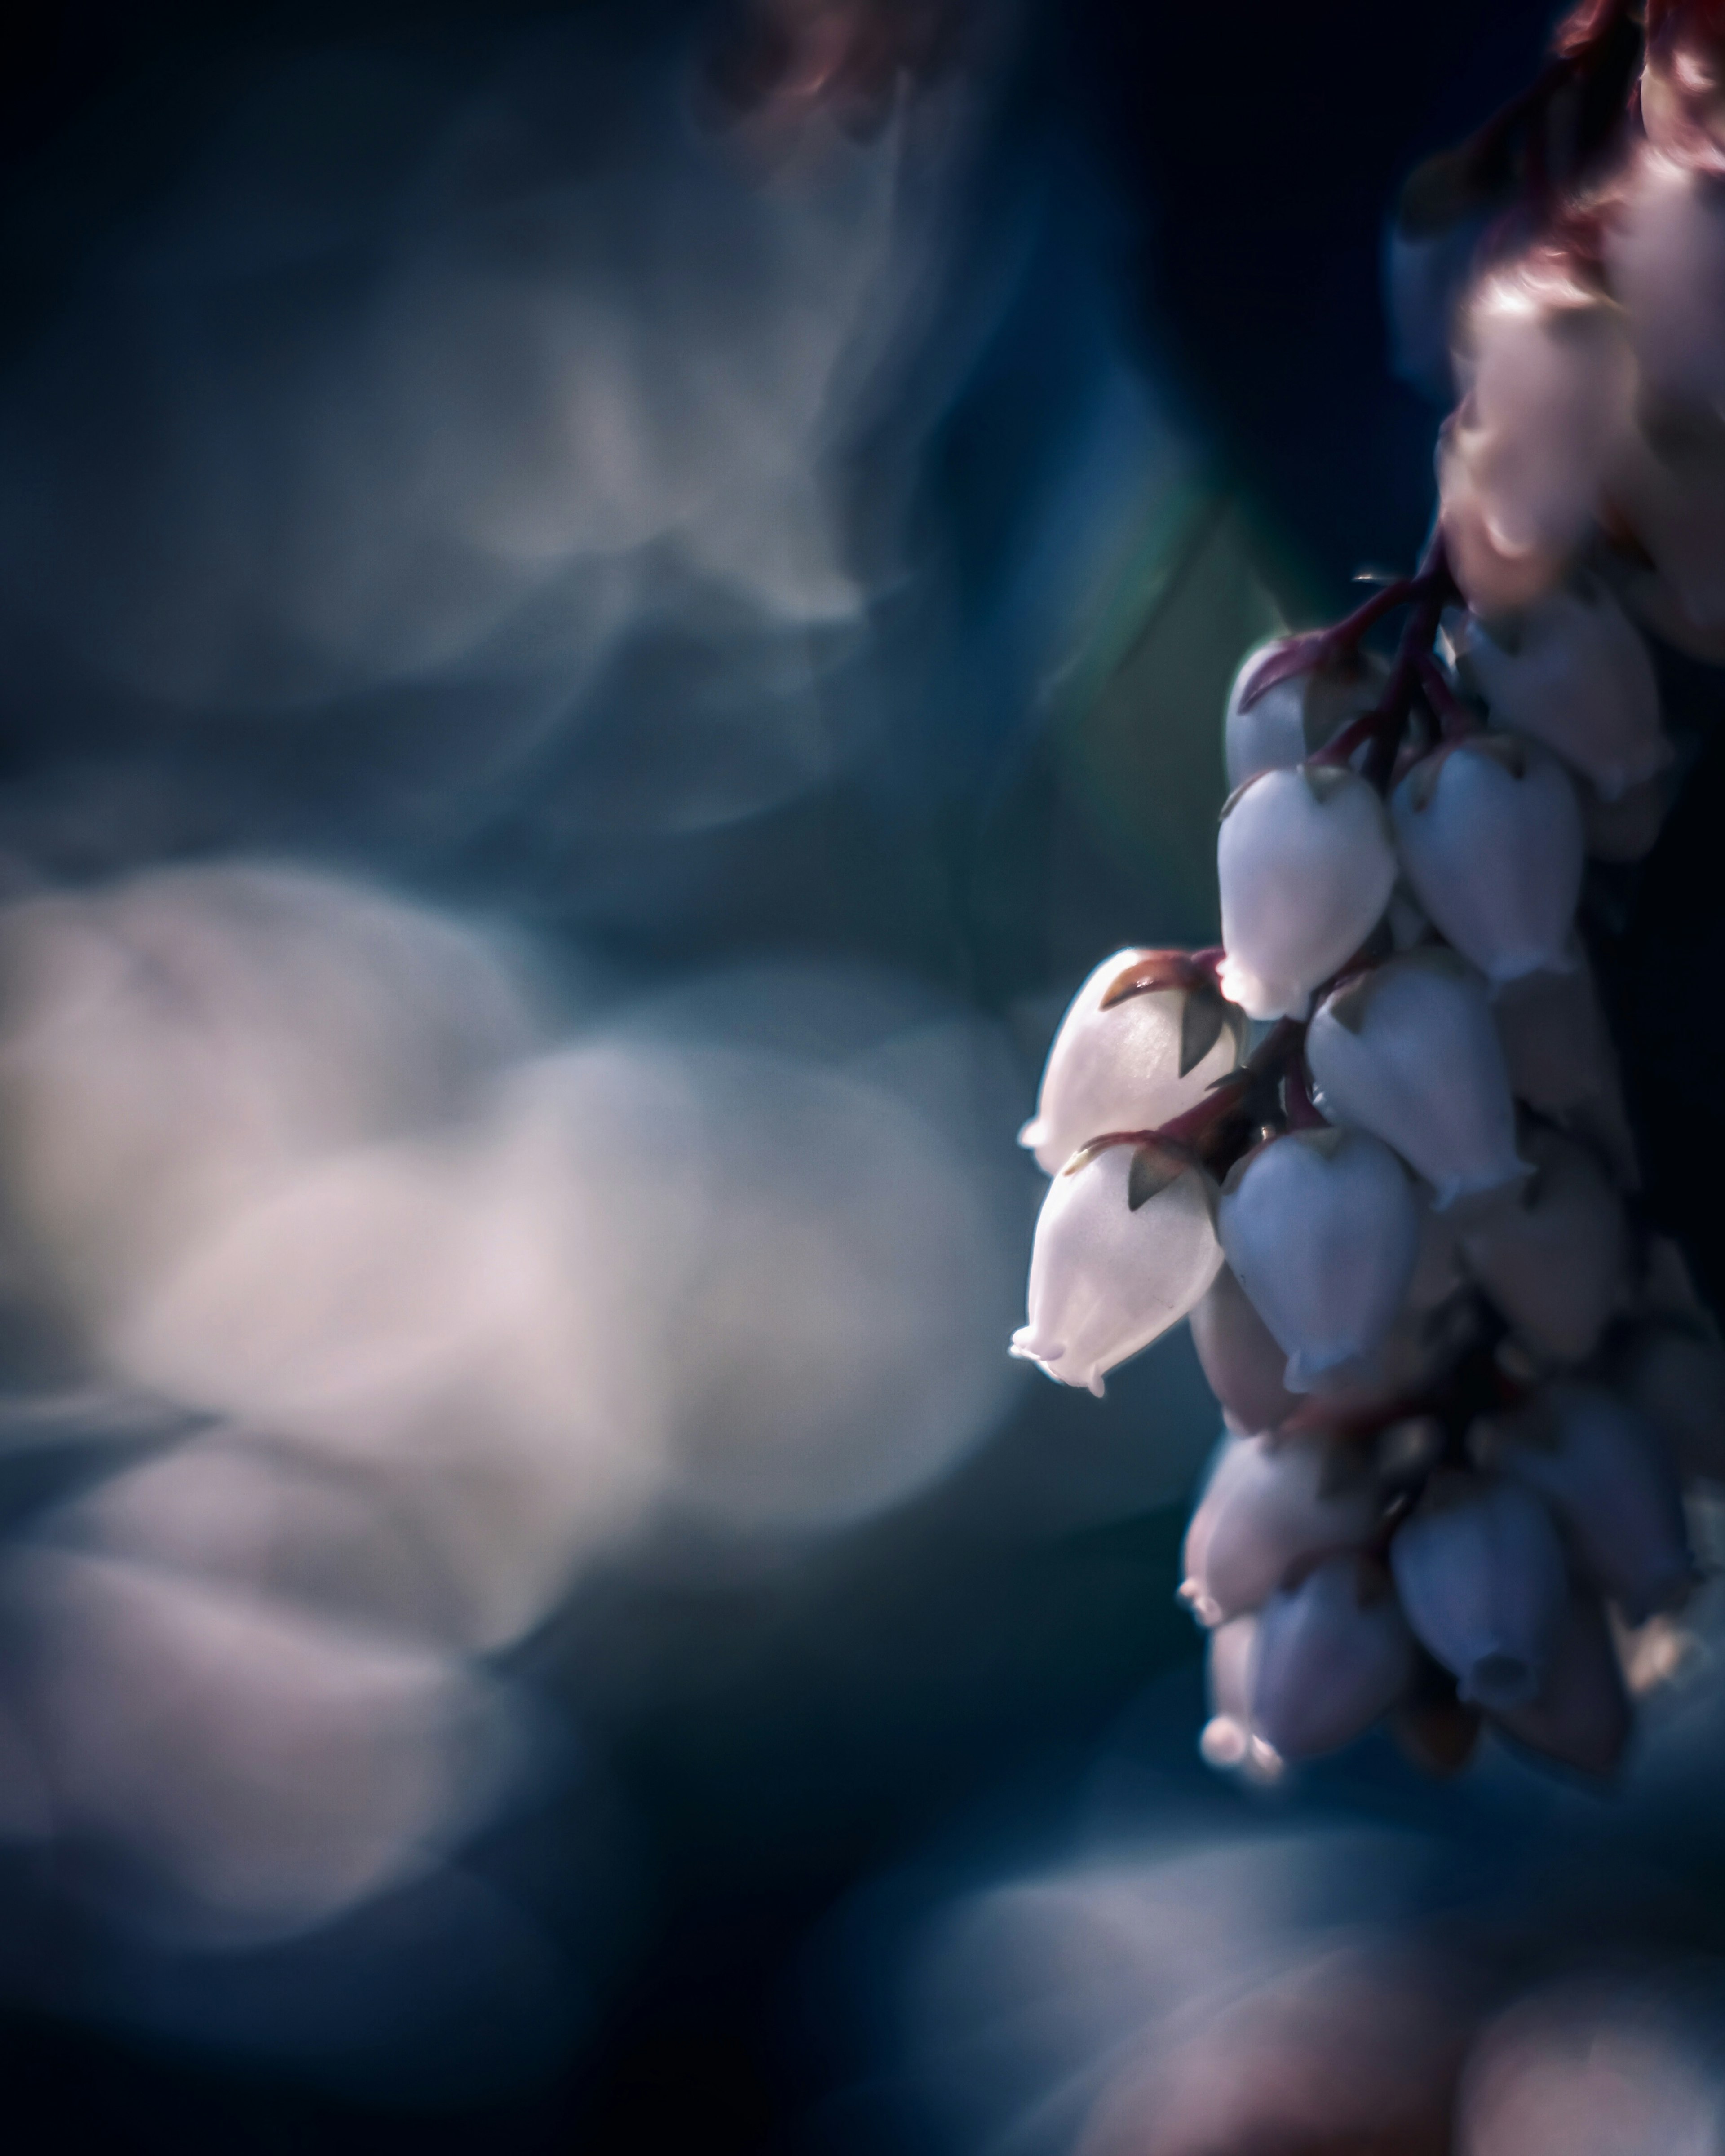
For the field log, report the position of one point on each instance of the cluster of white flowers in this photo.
(1375, 1147)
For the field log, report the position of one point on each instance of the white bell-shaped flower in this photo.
(1491, 839)
(1242, 1360)
(1600, 1467)
(1306, 867)
(1573, 673)
(1126, 1244)
(1287, 722)
(1555, 1260)
(1323, 1229)
(1549, 378)
(1272, 1504)
(1555, 1044)
(1581, 1715)
(1331, 1656)
(1480, 1570)
(1226, 1740)
(1409, 1052)
(1141, 1042)
(1665, 255)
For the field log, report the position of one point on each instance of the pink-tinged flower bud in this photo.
(1227, 1735)
(1572, 672)
(1667, 486)
(1480, 1570)
(1665, 255)
(1555, 1044)
(1242, 1361)
(1409, 1052)
(1676, 1378)
(1581, 1715)
(1271, 1505)
(1306, 867)
(1289, 721)
(1549, 379)
(1555, 1259)
(1490, 833)
(1331, 1656)
(1126, 1244)
(1322, 1228)
(1142, 1042)
(1597, 1465)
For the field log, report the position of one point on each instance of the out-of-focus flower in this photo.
(1480, 1570)
(1490, 836)
(1272, 1504)
(1243, 1362)
(1287, 722)
(1125, 1246)
(1580, 1715)
(1572, 673)
(1331, 1656)
(1322, 1229)
(1665, 255)
(1306, 869)
(1142, 1041)
(1555, 1260)
(1409, 1052)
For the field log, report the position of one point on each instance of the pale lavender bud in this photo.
(1242, 1361)
(1284, 725)
(1126, 1244)
(1572, 672)
(1554, 1258)
(1665, 255)
(1409, 1052)
(1227, 1736)
(1331, 1656)
(1322, 1228)
(1490, 833)
(1141, 1043)
(1581, 1714)
(1676, 1378)
(1306, 867)
(1480, 1570)
(1598, 1466)
(1272, 1504)
(1555, 1044)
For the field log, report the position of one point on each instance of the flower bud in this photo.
(1667, 486)
(1227, 1735)
(1555, 1044)
(1572, 673)
(1142, 1042)
(1581, 1715)
(1597, 1465)
(1306, 869)
(1331, 1656)
(1676, 1378)
(1242, 1361)
(1409, 1052)
(1490, 833)
(1549, 378)
(1287, 722)
(1126, 1244)
(1555, 1261)
(1271, 1505)
(1323, 1229)
(1665, 255)
(1480, 1570)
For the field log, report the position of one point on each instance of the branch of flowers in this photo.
(1382, 726)
(1326, 647)
(1453, 718)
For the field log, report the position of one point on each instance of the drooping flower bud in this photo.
(1331, 1656)
(1665, 255)
(1555, 1260)
(1409, 1052)
(1243, 1362)
(1480, 1570)
(1144, 1039)
(1287, 722)
(1490, 833)
(1549, 378)
(1323, 1228)
(1572, 673)
(1667, 486)
(1581, 1714)
(1271, 1505)
(1599, 1467)
(1555, 1045)
(1676, 1378)
(1228, 1663)
(1126, 1244)
(1306, 867)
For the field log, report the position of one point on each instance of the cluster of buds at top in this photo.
(1373, 1146)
